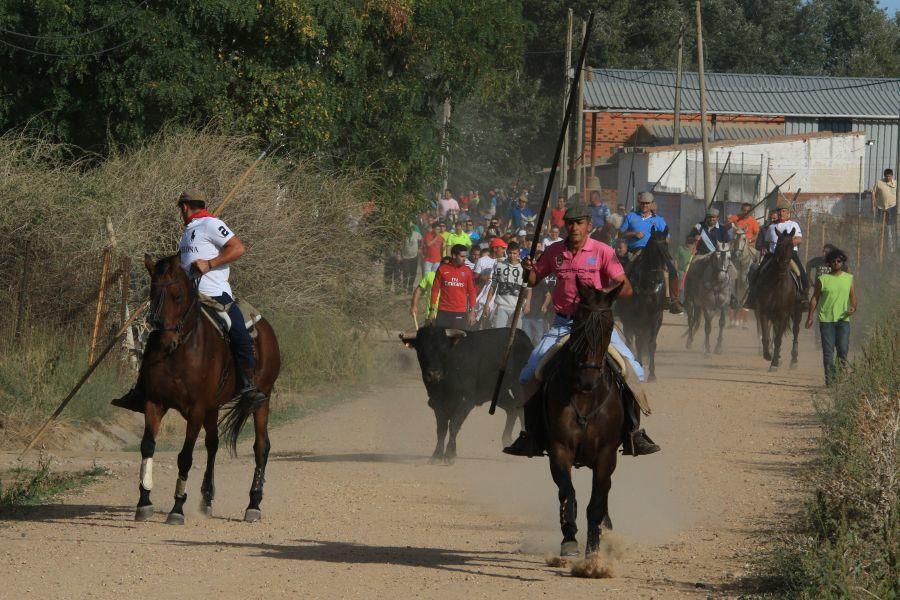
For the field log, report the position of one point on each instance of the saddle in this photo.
(621, 368)
(217, 314)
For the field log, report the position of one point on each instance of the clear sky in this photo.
(892, 6)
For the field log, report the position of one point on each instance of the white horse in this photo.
(743, 257)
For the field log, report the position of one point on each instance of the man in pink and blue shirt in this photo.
(578, 259)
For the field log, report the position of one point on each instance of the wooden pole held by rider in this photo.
(573, 93)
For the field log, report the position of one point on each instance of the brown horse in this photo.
(584, 415)
(187, 366)
(642, 313)
(778, 301)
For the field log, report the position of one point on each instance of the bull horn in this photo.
(455, 333)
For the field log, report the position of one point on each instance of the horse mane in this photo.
(587, 335)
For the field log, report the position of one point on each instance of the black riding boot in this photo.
(635, 441)
(132, 400)
(530, 442)
(244, 386)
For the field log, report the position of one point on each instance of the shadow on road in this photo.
(49, 513)
(462, 561)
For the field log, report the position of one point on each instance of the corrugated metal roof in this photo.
(731, 93)
(664, 131)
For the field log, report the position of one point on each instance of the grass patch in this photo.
(32, 487)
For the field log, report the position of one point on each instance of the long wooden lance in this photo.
(127, 324)
(573, 94)
(718, 183)
(666, 171)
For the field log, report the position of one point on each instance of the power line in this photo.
(76, 35)
(77, 55)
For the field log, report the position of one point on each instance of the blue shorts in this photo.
(561, 327)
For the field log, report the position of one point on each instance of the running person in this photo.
(454, 285)
(207, 248)
(588, 261)
(507, 282)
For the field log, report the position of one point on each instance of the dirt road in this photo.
(353, 510)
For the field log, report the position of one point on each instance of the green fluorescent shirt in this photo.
(835, 297)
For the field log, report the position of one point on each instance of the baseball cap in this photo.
(498, 243)
(522, 232)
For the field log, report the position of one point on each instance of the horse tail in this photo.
(237, 413)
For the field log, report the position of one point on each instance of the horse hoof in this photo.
(436, 460)
(718, 351)
(793, 365)
(569, 548)
(773, 368)
(767, 356)
(175, 519)
(651, 378)
(252, 515)
(143, 513)
(606, 522)
(206, 509)
(449, 460)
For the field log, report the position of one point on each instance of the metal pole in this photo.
(707, 176)
(540, 218)
(716, 190)
(676, 130)
(593, 143)
(564, 159)
(666, 171)
(742, 177)
(579, 137)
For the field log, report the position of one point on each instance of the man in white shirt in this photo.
(553, 237)
(506, 284)
(448, 207)
(484, 270)
(206, 250)
(783, 224)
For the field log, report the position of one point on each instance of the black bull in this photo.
(459, 370)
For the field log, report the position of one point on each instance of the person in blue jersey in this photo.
(636, 229)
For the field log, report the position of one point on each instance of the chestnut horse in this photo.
(777, 301)
(584, 415)
(188, 366)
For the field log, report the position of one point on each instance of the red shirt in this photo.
(455, 286)
(556, 217)
(595, 265)
(433, 253)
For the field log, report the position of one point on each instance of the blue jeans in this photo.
(561, 327)
(835, 336)
(241, 342)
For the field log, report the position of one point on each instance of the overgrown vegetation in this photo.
(310, 235)
(848, 545)
(30, 487)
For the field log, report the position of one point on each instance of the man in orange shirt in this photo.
(746, 221)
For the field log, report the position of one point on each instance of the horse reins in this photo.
(179, 326)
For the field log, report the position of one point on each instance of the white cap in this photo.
(522, 232)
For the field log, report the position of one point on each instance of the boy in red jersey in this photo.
(454, 285)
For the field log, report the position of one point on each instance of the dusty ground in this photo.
(353, 510)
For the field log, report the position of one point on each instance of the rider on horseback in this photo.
(783, 224)
(712, 233)
(578, 259)
(636, 228)
(206, 249)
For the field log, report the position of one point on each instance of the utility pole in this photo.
(707, 179)
(579, 138)
(445, 144)
(676, 132)
(564, 160)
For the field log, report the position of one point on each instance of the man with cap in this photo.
(711, 233)
(599, 210)
(207, 248)
(636, 229)
(579, 259)
(746, 221)
(520, 214)
(484, 270)
(781, 225)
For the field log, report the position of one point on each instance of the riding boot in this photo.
(132, 400)
(635, 441)
(675, 306)
(530, 442)
(244, 386)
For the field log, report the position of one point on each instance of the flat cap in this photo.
(576, 211)
(192, 195)
(712, 212)
(783, 203)
(645, 198)
(593, 184)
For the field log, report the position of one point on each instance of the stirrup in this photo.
(638, 443)
(132, 400)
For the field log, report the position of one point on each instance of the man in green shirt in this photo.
(458, 236)
(835, 299)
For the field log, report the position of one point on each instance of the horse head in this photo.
(592, 329)
(784, 248)
(173, 298)
(722, 258)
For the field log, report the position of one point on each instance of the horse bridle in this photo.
(587, 365)
(182, 321)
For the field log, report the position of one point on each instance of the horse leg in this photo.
(456, 421)
(763, 323)
(598, 508)
(261, 447)
(561, 470)
(442, 424)
(208, 488)
(718, 349)
(691, 326)
(778, 328)
(152, 419)
(795, 348)
(651, 351)
(707, 329)
(185, 460)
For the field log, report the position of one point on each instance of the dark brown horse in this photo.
(187, 366)
(642, 313)
(778, 301)
(585, 417)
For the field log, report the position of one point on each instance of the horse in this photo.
(584, 415)
(187, 366)
(743, 256)
(642, 314)
(777, 301)
(709, 286)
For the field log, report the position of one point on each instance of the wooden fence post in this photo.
(98, 311)
(808, 233)
(19, 330)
